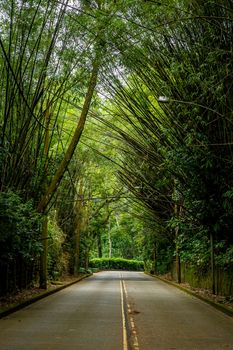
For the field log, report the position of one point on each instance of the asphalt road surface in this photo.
(115, 310)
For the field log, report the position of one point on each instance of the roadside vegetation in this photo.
(116, 264)
(116, 140)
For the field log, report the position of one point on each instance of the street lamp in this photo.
(166, 99)
(163, 99)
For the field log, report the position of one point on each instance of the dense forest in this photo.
(116, 139)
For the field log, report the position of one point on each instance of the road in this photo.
(117, 311)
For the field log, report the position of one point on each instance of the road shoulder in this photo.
(6, 310)
(223, 308)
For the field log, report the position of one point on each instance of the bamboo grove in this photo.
(139, 87)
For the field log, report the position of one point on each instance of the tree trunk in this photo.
(78, 227)
(109, 239)
(75, 139)
(212, 263)
(87, 259)
(99, 244)
(155, 258)
(44, 254)
(52, 187)
(178, 265)
(44, 233)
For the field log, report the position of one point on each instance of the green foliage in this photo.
(117, 264)
(175, 159)
(165, 259)
(195, 250)
(224, 257)
(58, 258)
(20, 228)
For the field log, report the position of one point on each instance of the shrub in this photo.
(20, 244)
(19, 229)
(58, 259)
(116, 264)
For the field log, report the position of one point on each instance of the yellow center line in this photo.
(135, 344)
(125, 342)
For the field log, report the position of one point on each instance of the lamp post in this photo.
(166, 99)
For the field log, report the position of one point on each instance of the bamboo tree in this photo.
(78, 227)
(190, 138)
(75, 139)
(44, 230)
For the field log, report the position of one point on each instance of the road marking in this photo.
(125, 342)
(134, 337)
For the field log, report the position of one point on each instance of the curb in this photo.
(217, 306)
(39, 297)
